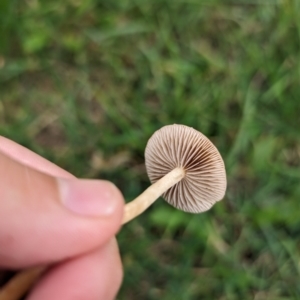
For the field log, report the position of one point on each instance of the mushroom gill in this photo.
(180, 146)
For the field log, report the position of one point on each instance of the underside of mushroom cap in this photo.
(181, 146)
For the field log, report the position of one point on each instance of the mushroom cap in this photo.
(204, 183)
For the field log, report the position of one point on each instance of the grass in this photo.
(86, 83)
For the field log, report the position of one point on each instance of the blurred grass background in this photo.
(86, 83)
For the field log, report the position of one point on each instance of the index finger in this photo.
(31, 159)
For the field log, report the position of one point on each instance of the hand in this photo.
(48, 217)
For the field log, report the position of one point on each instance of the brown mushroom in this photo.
(185, 168)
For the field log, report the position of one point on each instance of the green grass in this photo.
(86, 83)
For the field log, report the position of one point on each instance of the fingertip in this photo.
(94, 276)
(97, 198)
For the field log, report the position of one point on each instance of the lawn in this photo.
(86, 83)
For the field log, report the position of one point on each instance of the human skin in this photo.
(49, 217)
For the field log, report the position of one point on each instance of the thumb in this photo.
(44, 219)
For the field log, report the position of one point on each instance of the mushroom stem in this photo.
(22, 282)
(144, 200)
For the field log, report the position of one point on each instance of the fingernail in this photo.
(89, 197)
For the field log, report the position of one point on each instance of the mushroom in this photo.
(184, 167)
